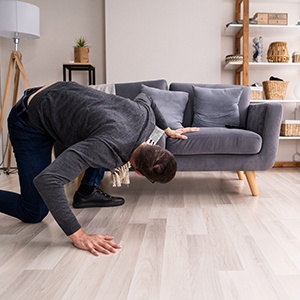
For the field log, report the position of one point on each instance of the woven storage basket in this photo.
(296, 57)
(233, 58)
(275, 90)
(256, 93)
(278, 53)
(290, 128)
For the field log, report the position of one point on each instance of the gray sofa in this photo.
(246, 147)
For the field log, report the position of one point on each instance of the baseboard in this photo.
(287, 164)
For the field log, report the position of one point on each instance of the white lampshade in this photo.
(19, 20)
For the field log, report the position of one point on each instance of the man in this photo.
(96, 130)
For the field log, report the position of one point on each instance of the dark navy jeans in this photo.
(93, 177)
(33, 151)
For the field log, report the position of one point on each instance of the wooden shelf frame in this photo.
(242, 13)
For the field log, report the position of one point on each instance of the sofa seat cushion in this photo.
(216, 140)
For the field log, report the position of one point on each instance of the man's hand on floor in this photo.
(94, 243)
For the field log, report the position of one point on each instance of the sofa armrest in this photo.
(265, 119)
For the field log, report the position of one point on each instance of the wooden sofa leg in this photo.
(251, 178)
(240, 175)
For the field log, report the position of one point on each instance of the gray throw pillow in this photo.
(216, 107)
(170, 103)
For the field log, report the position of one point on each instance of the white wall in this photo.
(172, 39)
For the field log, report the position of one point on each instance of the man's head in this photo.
(155, 163)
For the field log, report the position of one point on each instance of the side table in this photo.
(79, 67)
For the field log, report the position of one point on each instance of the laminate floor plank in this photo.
(255, 267)
(291, 285)
(147, 276)
(203, 269)
(176, 279)
(201, 236)
(271, 249)
(222, 248)
(117, 284)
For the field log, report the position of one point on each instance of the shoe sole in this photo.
(88, 205)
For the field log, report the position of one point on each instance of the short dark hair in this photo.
(156, 163)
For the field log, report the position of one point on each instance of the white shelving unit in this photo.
(262, 65)
(264, 30)
(242, 36)
(280, 101)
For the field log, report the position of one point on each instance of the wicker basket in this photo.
(296, 57)
(290, 128)
(233, 58)
(275, 90)
(278, 53)
(256, 93)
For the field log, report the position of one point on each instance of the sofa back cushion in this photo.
(170, 103)
(189, 111)
(132, 89)
(216, 107)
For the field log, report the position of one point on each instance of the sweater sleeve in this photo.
(70, 164)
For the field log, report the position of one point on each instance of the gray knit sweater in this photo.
(97, 130)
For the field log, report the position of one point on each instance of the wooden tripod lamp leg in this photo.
(6, 90)
(15, 60)
(18, 58)
(14, 101)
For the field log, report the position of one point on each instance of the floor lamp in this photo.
(18, 20)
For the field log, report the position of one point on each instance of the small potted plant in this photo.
(81, 50)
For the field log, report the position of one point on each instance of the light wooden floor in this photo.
(202, 236)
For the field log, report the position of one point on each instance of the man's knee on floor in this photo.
(35, 216)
